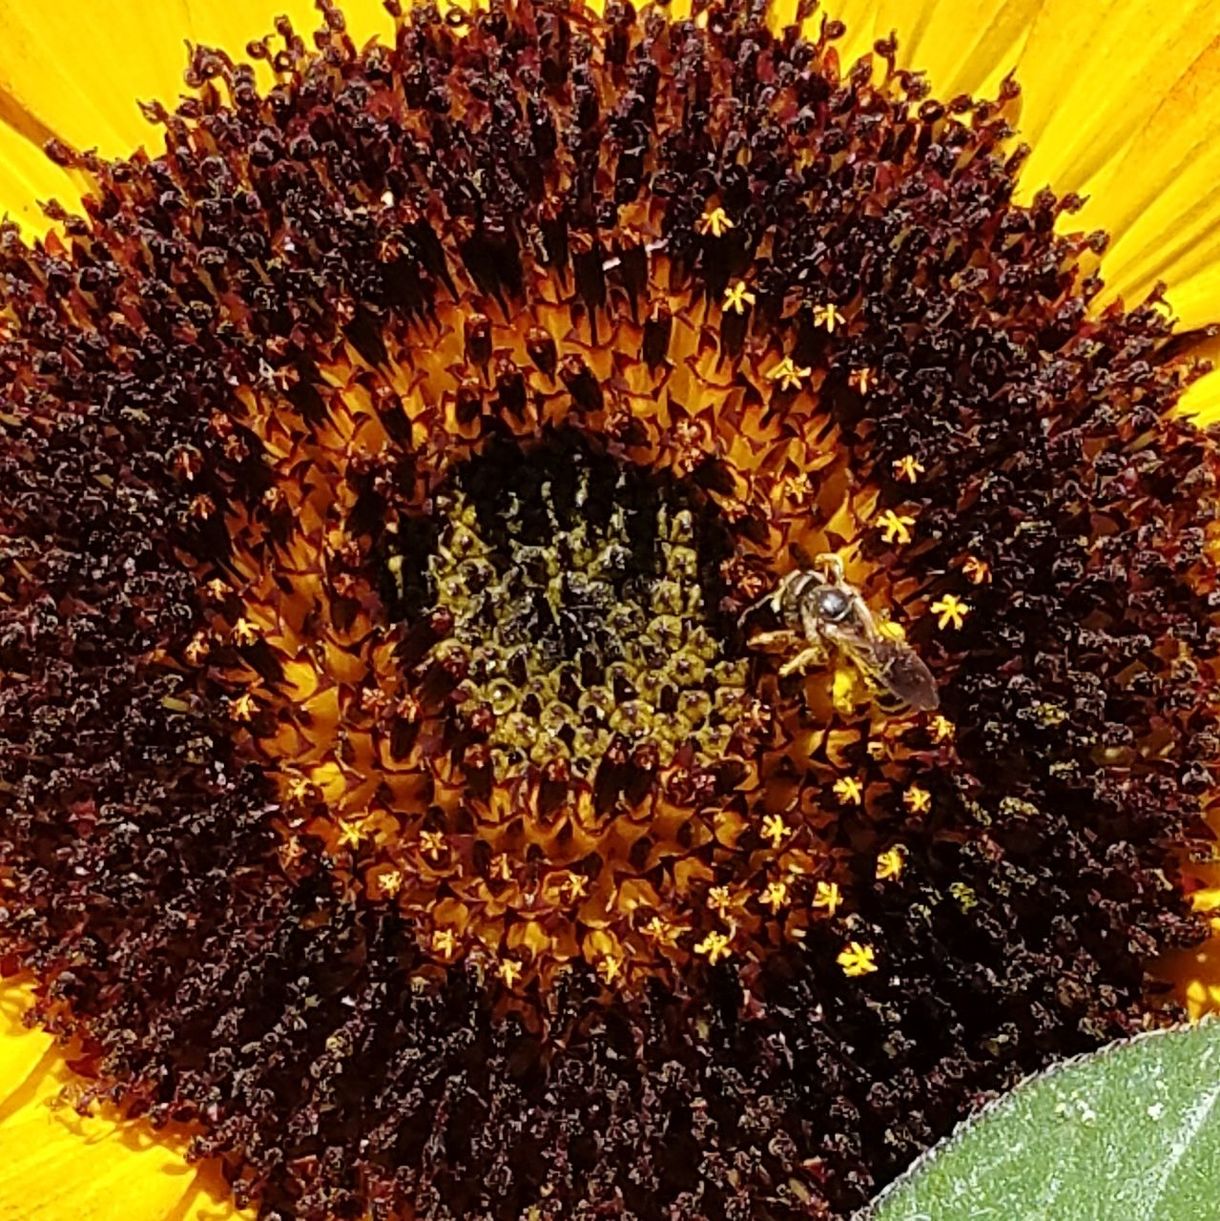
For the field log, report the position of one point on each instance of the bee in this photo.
(824, 614)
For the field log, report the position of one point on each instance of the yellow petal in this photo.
(75, 70)
(1159, 199)
(964, 46)
(28, 176)
(56, 1165)
(1202, 399)
(1093, 73)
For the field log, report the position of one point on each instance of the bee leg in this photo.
(773, 598)
(785, 637)
(833, 564)
(807, 659)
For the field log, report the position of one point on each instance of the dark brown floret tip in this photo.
(388, 788)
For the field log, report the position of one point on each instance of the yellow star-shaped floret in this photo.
(786, 373)
(244, 632)
(857, 959)
(908, 467)
(889, 863)
(774, 896)
(829, 896)
(390, 883)
(244, 707)
(714, 947)
(575, 886)
(610, 967)
(720, 900)
(861, 380)
(299, 789)
(509, 972)
(976, 570)
(951, 611)
(942, 728)
(848, 790)
(737, 297)
(197, 649)
(444, 942)
(662, 931)
(895, 527)
(351, 833)
(917, 800)
(433, 843)
(775, 829)
(715, 221)
(828, 316)
(796, 487)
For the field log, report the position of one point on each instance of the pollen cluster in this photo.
(582, 629)
(390, 789)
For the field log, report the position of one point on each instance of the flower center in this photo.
(571, 599)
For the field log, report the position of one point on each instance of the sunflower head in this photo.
(468, 505)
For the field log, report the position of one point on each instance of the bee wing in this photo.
(903, 673)
(889, 663)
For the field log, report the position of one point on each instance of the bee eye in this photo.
(832, 604)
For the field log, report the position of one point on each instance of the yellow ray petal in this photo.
(1093, 73)
(964, 46)
(75, 70)
(56, 1165)
(28, 176)
(1159, 199)
(1202, 399)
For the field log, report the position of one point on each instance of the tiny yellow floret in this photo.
(786, 373)
(950, 611)
(775, 896)
(244, 632)
(714, 947)
(444, 942)
(575, 886)
(861, 380)
(896, 527)
(889, 863)
(857, 959)
(432, 843)
(610, 967)
(737, 297)
(775, 829)
(829, 896)
(351, 833)
(715, 221)
(908, 467)
(942, 728)
(849, 790)
(828, 316)
(917, 800)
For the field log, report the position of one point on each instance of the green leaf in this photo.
(1131, 1133)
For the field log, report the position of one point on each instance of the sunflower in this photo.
(604, 613)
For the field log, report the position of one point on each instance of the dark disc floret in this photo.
(257, 713)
